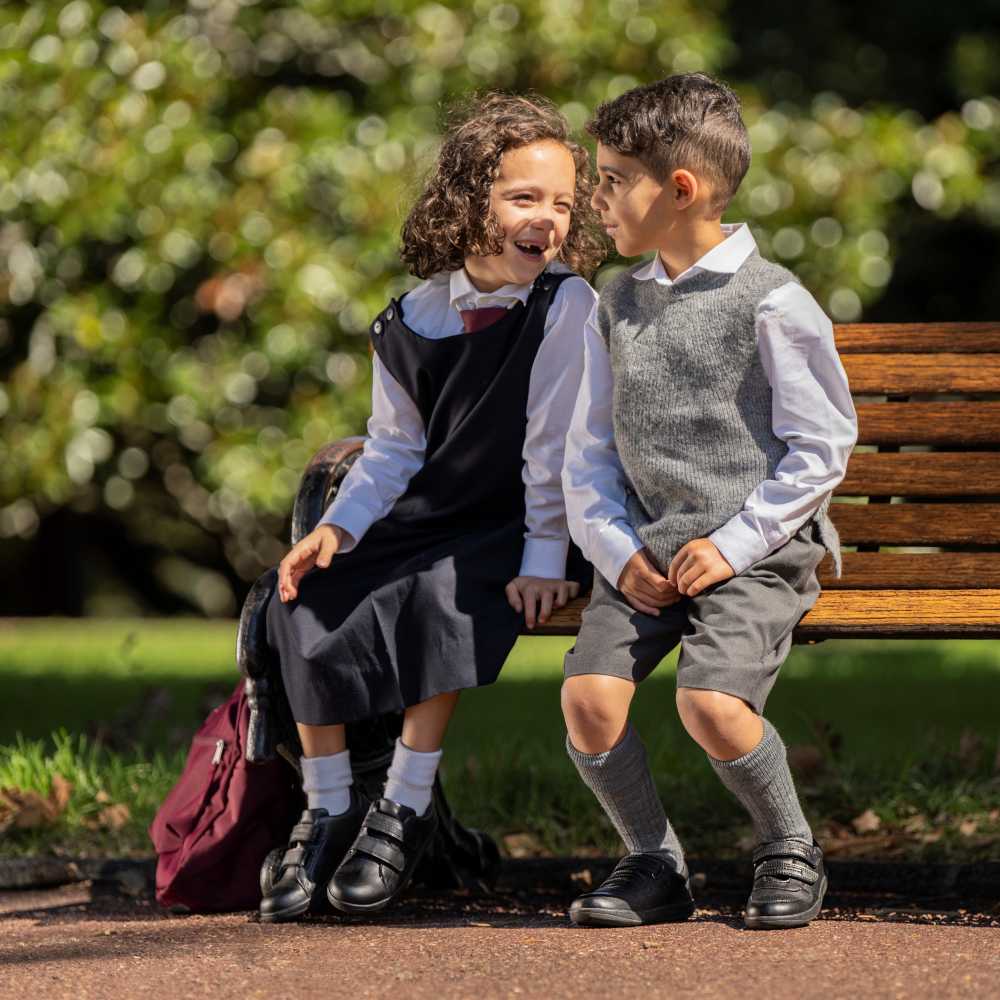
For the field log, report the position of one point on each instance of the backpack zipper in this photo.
(220, 745)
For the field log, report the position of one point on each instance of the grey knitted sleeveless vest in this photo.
(692, 403)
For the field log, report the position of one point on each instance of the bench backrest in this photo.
(921, 499)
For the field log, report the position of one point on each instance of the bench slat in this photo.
(917, 523)
(918, 338)
(889, 614)
(914, 571)
(904, 374)
(897, 614)
(929, 423)
(922, 474)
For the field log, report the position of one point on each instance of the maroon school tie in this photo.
(477, 319)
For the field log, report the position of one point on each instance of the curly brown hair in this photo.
(452, 219)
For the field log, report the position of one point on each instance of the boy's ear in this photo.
(685, 188)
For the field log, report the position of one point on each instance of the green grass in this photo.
(908, 729)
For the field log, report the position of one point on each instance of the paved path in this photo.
(78, 942)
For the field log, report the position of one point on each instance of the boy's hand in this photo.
(316, 549)
(696, 566)
(524, 593)
(644, 586)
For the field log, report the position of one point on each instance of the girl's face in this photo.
(533, 199)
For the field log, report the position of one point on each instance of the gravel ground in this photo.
(90, 940)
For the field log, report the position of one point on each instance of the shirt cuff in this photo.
(616, 544)
(545, 558)
(739, 544)
(353, 518)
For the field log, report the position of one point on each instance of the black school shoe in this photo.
(788, 885)
(642, 889)
(317, 844)
(383, 857)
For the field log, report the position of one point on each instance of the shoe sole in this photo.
(788, 920)
(288, 913)
(363, 908)
(625, 916)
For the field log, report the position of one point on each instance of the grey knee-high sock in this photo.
(621, 781)
(763, 784)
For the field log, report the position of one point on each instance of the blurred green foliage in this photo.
(199, 212)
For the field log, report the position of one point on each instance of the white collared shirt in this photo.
(811, 410)
(396, 441)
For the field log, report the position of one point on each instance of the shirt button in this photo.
(377, 326)
(389, 313)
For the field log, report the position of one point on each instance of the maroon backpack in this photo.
(223, 816)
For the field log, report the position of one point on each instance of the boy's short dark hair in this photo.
(687, 121)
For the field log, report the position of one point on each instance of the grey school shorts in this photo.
(734, 636)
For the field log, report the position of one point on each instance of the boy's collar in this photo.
(725, 258)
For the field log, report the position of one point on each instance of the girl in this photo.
(451, 524)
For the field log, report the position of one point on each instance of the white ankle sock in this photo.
(327, 782)
(411, 777)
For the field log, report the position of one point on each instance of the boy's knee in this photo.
(705, 714)
(596, 710)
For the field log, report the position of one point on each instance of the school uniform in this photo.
(713, 405)
(457, 492)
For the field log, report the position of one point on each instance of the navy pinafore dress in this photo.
(418, 608)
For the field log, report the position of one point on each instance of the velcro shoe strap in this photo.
(293, 856)
(787, 868)
(789, 848)
(388, 825)
(381, 850)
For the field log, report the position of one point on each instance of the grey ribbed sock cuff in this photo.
(622, 784)
(762, 782)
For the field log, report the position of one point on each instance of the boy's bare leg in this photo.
(747, 754)
(723, 726)
(611, 760)
(595, 707)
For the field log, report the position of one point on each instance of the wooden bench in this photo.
(920, 502)
(920, 507)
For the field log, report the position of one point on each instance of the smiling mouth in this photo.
(532, 250)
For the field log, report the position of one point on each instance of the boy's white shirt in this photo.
(396, 441)
(812, 411)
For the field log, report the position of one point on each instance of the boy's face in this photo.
(636, 209)
(533, 199)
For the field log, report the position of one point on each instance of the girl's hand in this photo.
(316, 549)
(698, 565)
(525, 593)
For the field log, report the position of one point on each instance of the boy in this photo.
(713, 422)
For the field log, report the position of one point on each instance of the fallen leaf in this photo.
(805, 759)
(62, 789)
(25, 810)
(584, 877)
(970, 748)
(867, 822)
(968, 827)
(916, 824)
(102, 796)
(523, 845)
